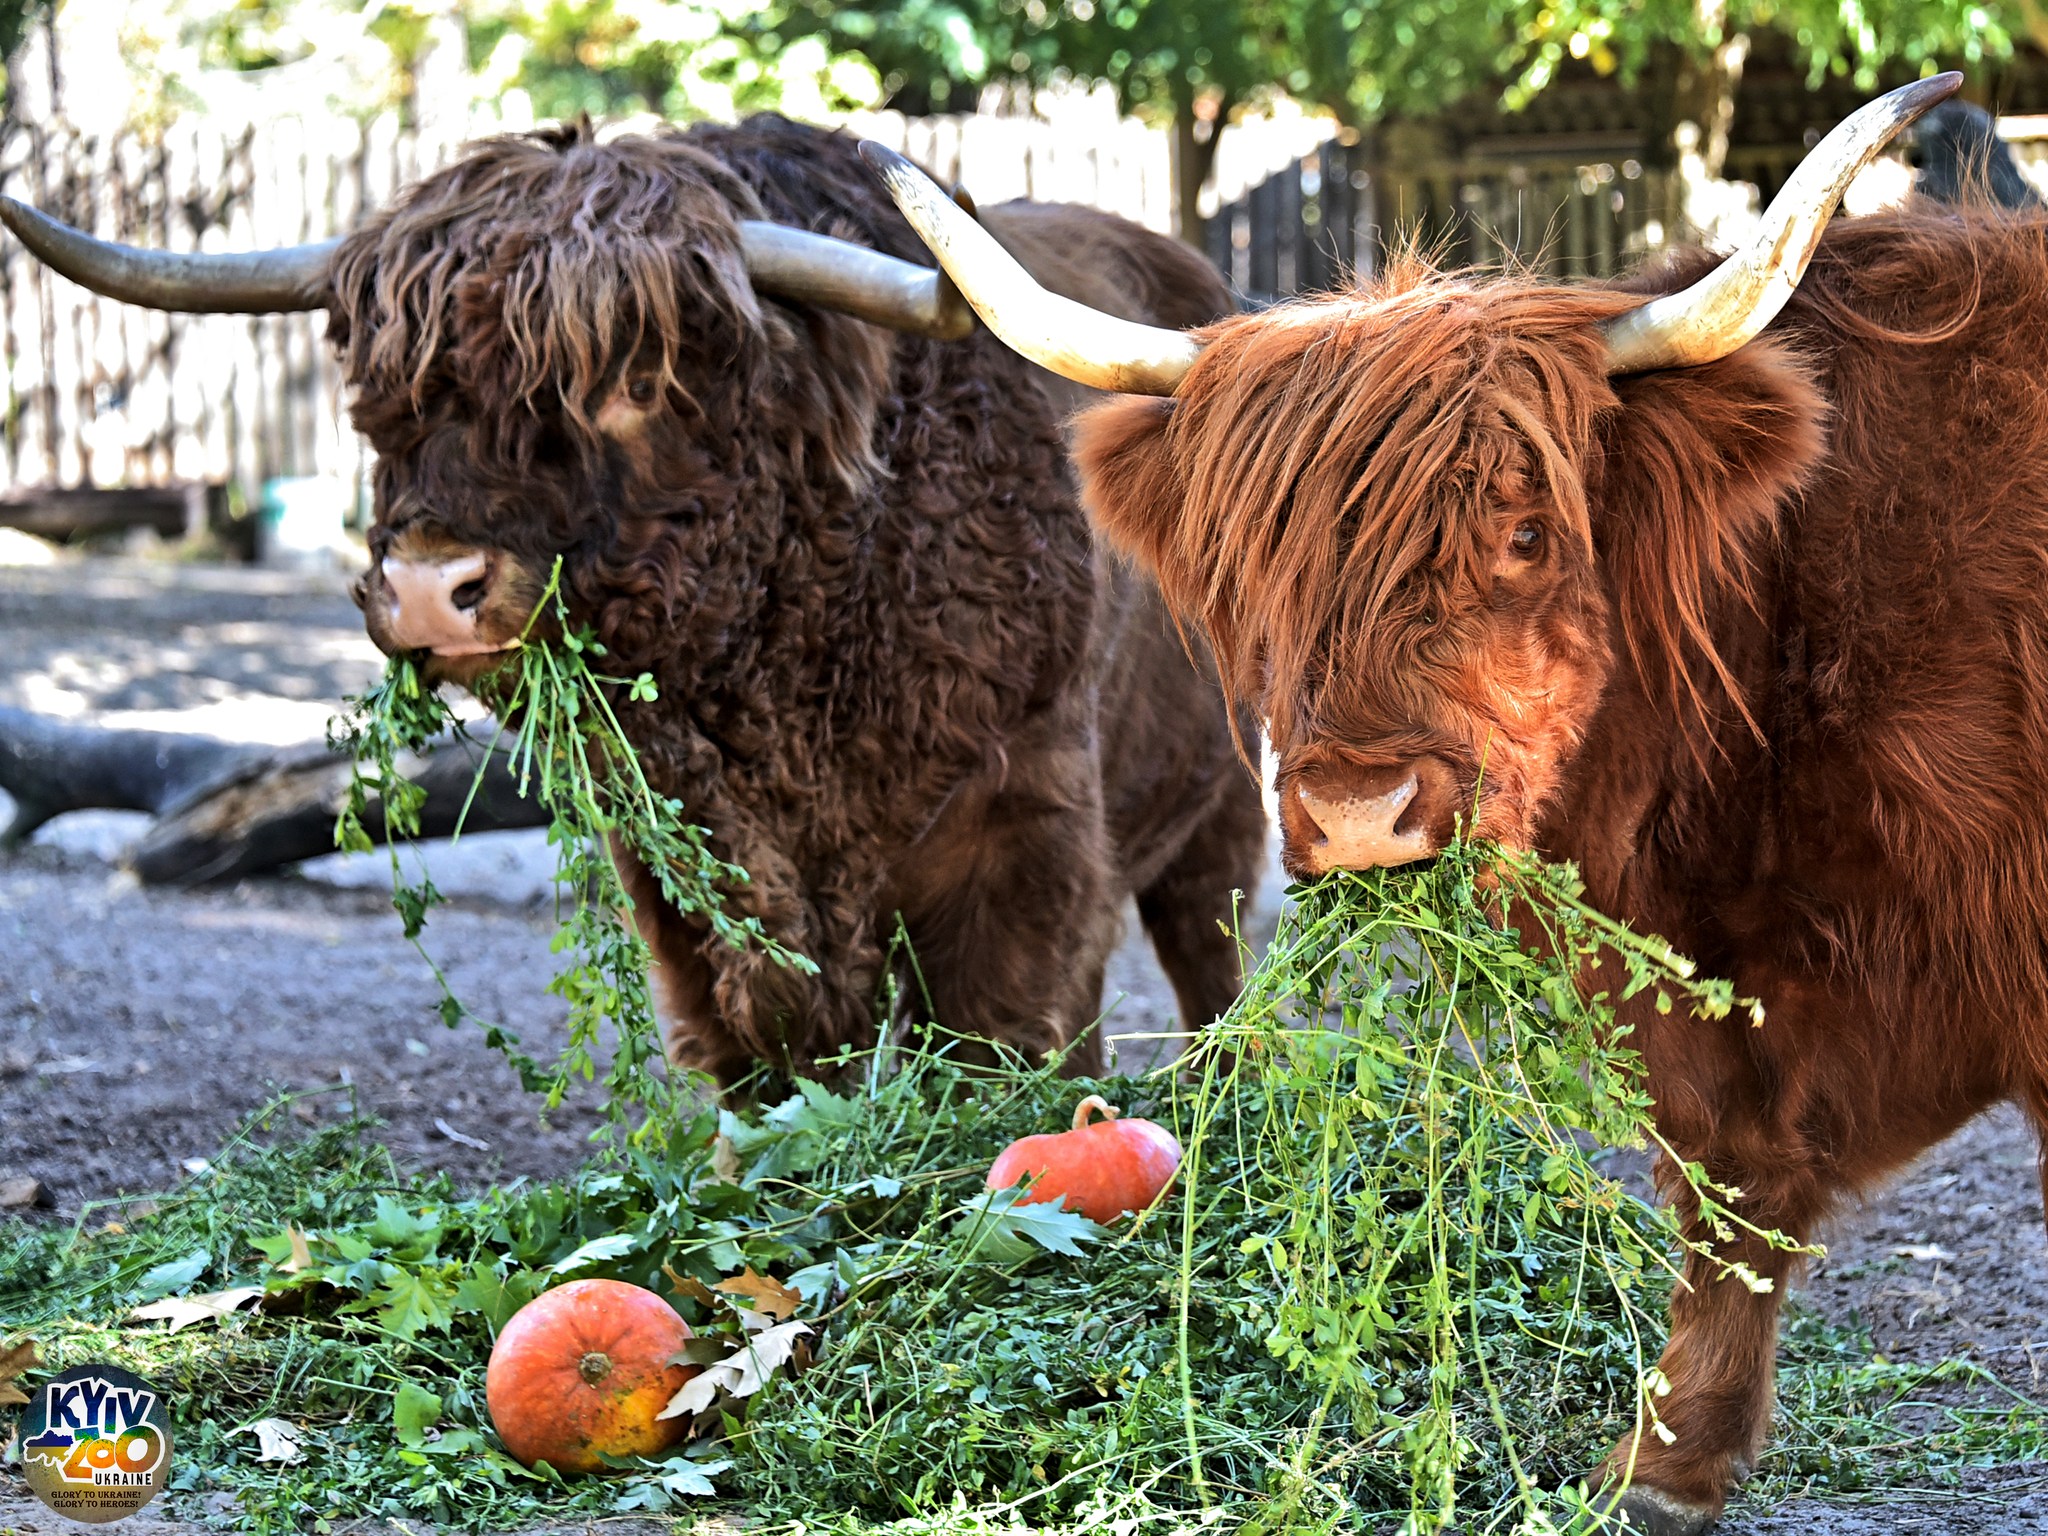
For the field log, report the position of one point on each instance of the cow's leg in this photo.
(693, 1037)
(1017, 954)
(2033, 1097)
(1719, 1364)
(727, 1010)
(1188, 909)
(1777, 1114)
(1008, 904)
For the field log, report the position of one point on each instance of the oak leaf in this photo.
(741, 1373)
(691, 1287)
(768, 1294)
(15, 1359)
(181, 1311)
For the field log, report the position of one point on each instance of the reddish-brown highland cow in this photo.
(896, 674)
(1751, 623)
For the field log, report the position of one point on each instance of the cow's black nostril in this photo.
(468, 595)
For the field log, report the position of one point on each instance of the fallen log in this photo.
(228, 809)
(50, 766)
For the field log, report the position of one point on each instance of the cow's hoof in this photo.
(1659, 1514)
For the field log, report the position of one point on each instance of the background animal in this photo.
(896, 674)
(1960, 156)
(1753, 627)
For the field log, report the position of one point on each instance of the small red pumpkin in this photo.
(582, 1371)
(1101, 1169)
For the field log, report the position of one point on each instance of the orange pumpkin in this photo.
(1101, 1169)
(583, 1370)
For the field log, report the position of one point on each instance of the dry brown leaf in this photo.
(739, 1374)
(23, 1192)
(769, 1295)
(180, 1311)
(15, 1359)
(302, 1256)
(690, 1286)
(725, 1159)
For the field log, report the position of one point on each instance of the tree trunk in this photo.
(268, 815)
(2035, 19)
(1194, 157)
(1706, 90)
(50, 766)
(227, 809)
(1727, 79)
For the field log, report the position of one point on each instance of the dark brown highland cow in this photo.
(1755, 630)
(896, 675)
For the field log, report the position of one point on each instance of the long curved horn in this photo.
(1744, 294)
(788, 263)
(836, 274)
(1072, 340)
(201, 283)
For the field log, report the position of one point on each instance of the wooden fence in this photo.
(101, 394)
(1339, 209)
(1077, 149)
(1300, 230)
(96, 394)
(1335, 212)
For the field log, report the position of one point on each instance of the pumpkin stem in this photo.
(594, 1367)
(1090, 1105)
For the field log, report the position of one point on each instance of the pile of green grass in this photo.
(970, 1348)
(1291, 1341)
(1389, 1286)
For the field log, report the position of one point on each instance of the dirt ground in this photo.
(139, 1026)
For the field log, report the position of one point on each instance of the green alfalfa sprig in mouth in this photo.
(1472, 1003)
(559, 731)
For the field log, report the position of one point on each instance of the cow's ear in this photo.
(1130, 483)
(1691, 471)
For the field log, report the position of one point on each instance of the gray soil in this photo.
(139, 1027)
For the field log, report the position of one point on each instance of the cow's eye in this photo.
(641, 391)
(1526, 540)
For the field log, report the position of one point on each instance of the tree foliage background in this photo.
(1194, 64)
(1198, 63)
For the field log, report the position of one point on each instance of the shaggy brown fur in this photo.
(1763, 645)
(895, 674)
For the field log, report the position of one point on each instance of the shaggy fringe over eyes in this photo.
(541, 265)
(1342, 465)
(1333, 478)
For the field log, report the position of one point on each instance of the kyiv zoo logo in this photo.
(95, 1443)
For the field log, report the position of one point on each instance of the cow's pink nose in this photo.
(1358, 830)
(434, 605)
(1366, 820)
